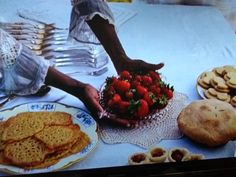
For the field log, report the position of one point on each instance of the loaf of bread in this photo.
(210, 122)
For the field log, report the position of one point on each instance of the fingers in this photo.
(119, 121)
(94, 107)
(153, 67)
(159, 66)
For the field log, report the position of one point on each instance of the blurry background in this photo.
(227, 7)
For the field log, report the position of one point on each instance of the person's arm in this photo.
(85, 92)
(107, 35)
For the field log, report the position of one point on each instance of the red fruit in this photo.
(110, 91)
(169, 94)
(122, 86)
(129, 95)
(135, 83)
(155, 89)
(154, 75)
(141, 90)
(114, 100)
(150, 98)
(147, 80)
(138, 78)
(123, 106)
(143, 109)
(125, 75)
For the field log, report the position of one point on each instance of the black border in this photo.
(223, 167)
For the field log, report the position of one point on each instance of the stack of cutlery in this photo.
(51, 42)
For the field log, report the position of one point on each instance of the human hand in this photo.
(90, 98)
(136, 65)
(118, 121)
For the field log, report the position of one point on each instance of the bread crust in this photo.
(210, 122)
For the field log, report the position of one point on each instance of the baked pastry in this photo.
(192, 157)
(157, 154)
(138, 158)
(210, 122)
(177, 154)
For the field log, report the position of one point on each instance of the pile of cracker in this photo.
(33, 140)
(220, 83)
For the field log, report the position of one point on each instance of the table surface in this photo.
(188, 39)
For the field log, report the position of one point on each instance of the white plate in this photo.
(53, 95)
(80, 117)
(200, 91)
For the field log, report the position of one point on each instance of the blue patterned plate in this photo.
(83, 119)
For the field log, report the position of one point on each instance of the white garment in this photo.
(21, 71)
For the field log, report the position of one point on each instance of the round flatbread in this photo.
(210, 122)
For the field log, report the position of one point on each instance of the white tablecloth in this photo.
(188, 39)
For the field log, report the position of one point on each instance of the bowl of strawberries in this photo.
(134, 95)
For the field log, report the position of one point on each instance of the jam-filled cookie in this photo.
(157, 154)
(192, 157)
(138, 159)
(177, 154)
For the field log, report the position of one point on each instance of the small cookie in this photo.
(231, 82)
(229, 75)
(228, 68)
(157, 155)
(219, 84)
(233, 101)
(212, 93)
(138, 159)
(219, 71)
(204, 79)
(177, 154)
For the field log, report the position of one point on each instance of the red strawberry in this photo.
(110, 91)
(138, 78)
(141, 90)
(169, 94)
(147, 80)
(135, 83)
(154, 75)
(143, 109)
(125, 75)
(122, 86)
(129, 95)
(150, 98)
(123, 106)
(114, 100)
(155, 89)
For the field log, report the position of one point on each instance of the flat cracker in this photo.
(57, 136)
(21, 126)
(26, 152)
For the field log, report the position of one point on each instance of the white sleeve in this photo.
(84, 10)
(21, 71)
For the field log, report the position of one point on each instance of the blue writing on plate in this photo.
(85, 119)
(41, 107)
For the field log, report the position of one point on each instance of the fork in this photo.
(50, 25)
(90, 73)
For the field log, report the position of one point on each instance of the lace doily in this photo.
(9, 49)
(161, 125)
